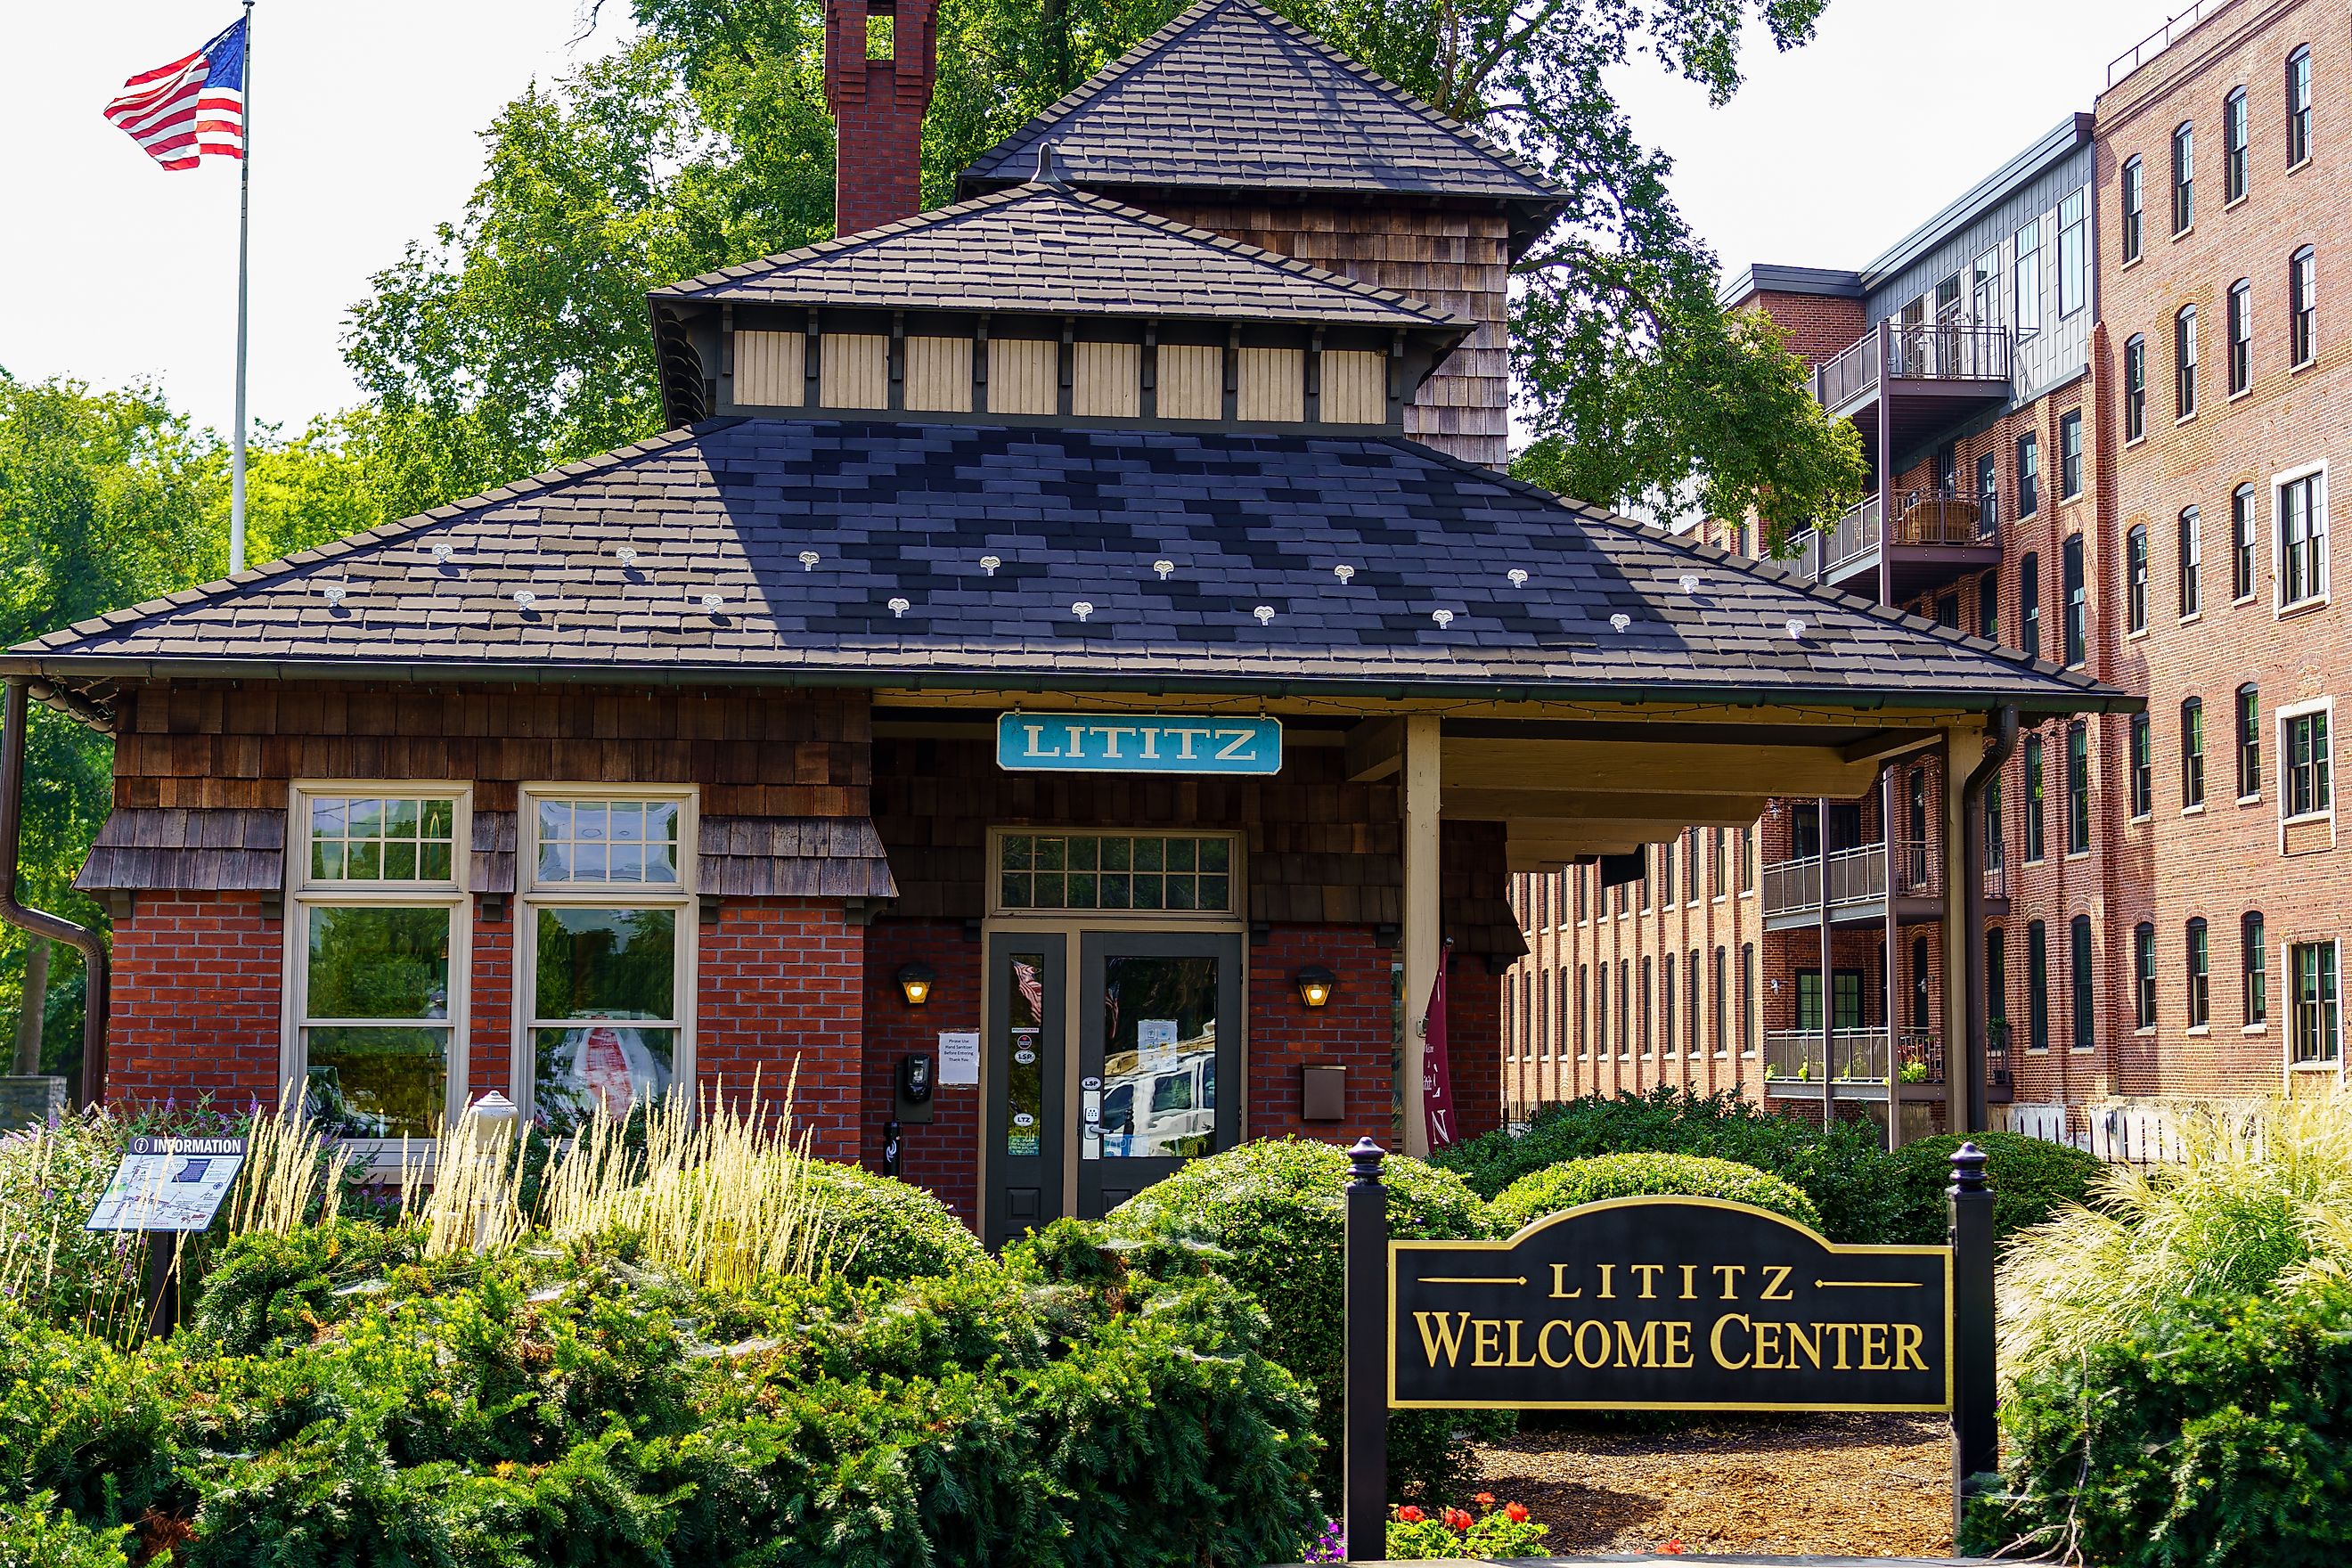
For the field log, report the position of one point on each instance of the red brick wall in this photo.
(197, 982)
(1817, 326)
(877, 108)
(942, 1155)
(1473, 1044)
(779, 985)
(1355, 1029)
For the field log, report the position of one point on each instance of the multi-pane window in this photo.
(1994, 857)
(2234, 144)
(2029, 602)
(2192, 753)
(2135, 579)
(2029, 279)
(2133, 200)
(2037, 985)
(2074, 288)
(2250, 742)
(2311, 993)
(1997, 983)
(2302, 306)
(2241, 335)
(2306, 778)
(1984, 290)
(606, 904)
(1722, 883)
(1746, 998)
(1601, 1004)
(2144, 975)
(1624, 1007)
(1666, 997)
(2243, 532)
(377, 960)
(1690, 865)
(2303, 539)
(2070, 454)
(2029, 474)
(2082, 993)
(2199, 971)
(2143, 767)
(1690, 990)
(2191, 553)
(1987, 490)
(2184, 362)
(1722, 1005)
(1989, 606)
(1646, 996)
(2134, 387)
(1188, 872)
(2298, 106)
(2253, 968)
(1584, 1040)
(2036, 808)
(2078, 604)
(2184, 176)
(2078, 789)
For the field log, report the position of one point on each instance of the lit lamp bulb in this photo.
(1315, 983)
(916, 980)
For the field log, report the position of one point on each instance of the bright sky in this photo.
(365, 126)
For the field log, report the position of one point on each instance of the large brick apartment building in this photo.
(2100, 392)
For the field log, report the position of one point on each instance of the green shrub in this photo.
(1565, 1187)
(80, 1422)
(36, 1534)
(2212, 1437)
(887, 1229)
(2032, 1179)
(1273, 1212)
(1844, 1170)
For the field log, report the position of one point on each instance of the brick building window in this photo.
(2250, 742)
(1984, 288)
(2199, 971)
(2241, 335)
(2029, 602)
(2298, 106)
(1625, 1007)
(2303, 539)
(2029, 279)
(1667, 998)
(2133, 200)
(2135, 578)
(2242, 534)
(1922, 1001)
(2078, 789)
(1995, 850)
(377, 965)
(2311, 993)
(1996, 987)
(2192, 753)
(2144, 975)
(1600, 1005)
(2074, 288)
(2302, 306)
(2254, 969)
(2037, 985)
(2078, 604)
(1987, 490)
(1511, 1011)
(1560, 1018)
(606, 895)
(2234, 144)
(2191, 553)
(1667, 868)
(1722, 1005)
(1690, 990)
(1746, 860)
(2143, 767)
(1690, 865)
(1989, 606)
(2184, 362)
(1648, 993)
(2134, 387)
(2184, 176)
(2070, 454)
(2029, 474)
(1746, 998)
(2082, 995)
(1545, 1042)
(2305, 785)
(1722, 883)
(2034, 806)
(1584, 1039)
(1583, 885)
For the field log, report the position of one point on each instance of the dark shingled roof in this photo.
(1229, 96)
(1046, 248)
(856, 551)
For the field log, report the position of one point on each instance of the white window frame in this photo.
(2280, 719)
(531, 895)
(2333, 1063)
(2279, 481)
(302, 895)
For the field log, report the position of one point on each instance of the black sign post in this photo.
(1662, 1303)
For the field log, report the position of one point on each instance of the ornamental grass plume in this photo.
(286, 1175)
(477, 1174)
(2260, 1202)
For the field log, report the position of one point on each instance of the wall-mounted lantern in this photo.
(915, 980)
(1315, 983)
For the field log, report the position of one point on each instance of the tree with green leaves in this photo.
(516, 339)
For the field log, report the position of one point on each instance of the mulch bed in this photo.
(1833, 1485)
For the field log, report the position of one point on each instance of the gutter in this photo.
(40, 922)
(1975, 1015)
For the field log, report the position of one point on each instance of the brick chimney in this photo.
(880, 60)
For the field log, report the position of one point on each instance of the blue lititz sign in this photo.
(1132, 743)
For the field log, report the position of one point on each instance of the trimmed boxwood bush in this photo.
(1567, 1186)
(2031, 1179)
(1272, 1214)
(1844, 1170)
(2218, 1437)
(887, 1229)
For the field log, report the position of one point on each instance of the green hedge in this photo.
(1566, 1185)
(2220, 1437)
(1272, 1214)
(2031, 1179)
(36, 1534)
(883, 1228)
(1846, 1172)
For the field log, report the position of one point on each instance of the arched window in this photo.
(2250, 741)
(2254, 969)
(1746, 998)
(2192, 564)
(1667, 998)
(1647, 1047)
(2084, 998)
(2035, 804)
(2078, 603)
(2133, 199)
(1922, 999)
(2241, 335)
(2078, 788)
(2298, 105)
(2199, 969)
(1624, 1007)
(2184, 176)
(2234, 144)
(2028, 604)
(2143, 767)
(1540, 1044)
(2192, 753)
(1515, 985)
(1559, 1019)
(2134, 387)
(2244, 531)
(1722, 1004)
(2144, 975)
(2037, 985)
(1997, 987)
(2184, 362)
(1690, 986)
(1584, 1039)
(2135, 578)
(2302, 306)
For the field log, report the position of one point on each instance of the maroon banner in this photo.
(1436, 1076)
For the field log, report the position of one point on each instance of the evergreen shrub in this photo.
(883, 1228)
(2032, 1180)
(1575, 1181)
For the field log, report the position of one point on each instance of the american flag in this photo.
(194, 107)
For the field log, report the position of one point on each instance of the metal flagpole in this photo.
(244, 247)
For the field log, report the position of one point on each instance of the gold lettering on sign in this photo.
(1446, 1337)
(1649, 1273)
(1729, 1273)
(1560, 1284)
(1690, 1271)
(1874, 1347)
(1909, 1338)
(1487, 1338)
(1775, 1289)
(1608, 1291)
(1514, 1358)
(1715, 1342)
(1678, 1345)
(1543, 1344)
(1641, 1352)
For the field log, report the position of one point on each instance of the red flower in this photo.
(1485, 1500)
(1515, 1513)
(1673, 1548)
(1409, 1515)
(1457, 1519)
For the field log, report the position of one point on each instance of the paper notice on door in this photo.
(1155, 1044)
(959, 1059)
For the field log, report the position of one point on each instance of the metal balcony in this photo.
(1930, 373)
(1859, 1061)
(1934, 537)
(1858, 885)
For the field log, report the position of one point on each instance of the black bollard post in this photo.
(1365, 1511)
(1976, 1436)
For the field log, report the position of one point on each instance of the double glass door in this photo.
(1081, 1119)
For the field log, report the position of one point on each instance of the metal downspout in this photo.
(40, 922)
(1974, 1047)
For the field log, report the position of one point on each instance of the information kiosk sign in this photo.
(168, 1184)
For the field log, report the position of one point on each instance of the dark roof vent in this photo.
(1047, 172)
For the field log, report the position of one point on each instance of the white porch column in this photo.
(1421, 937)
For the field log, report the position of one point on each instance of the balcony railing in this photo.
(1855, 876)
(1933, 517)
(1792, 1057)
(1925, 351)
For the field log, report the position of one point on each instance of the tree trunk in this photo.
(37, 1000)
